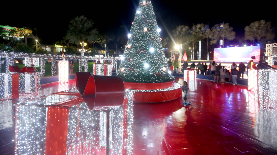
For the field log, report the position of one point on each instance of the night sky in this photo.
(51, 18)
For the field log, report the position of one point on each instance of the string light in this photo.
(86, 128)
(152, 49)
(146, 65)
(144, 46)
(159, 30)
(267, 87)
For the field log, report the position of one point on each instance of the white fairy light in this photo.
(146, 65)
(159, 30)
(152, 50)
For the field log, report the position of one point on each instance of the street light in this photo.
(36, 44)
(177, 47)
(83, 49)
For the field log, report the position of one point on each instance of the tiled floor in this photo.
(222, 119)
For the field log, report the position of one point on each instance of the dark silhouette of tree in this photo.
(259, 30)
(81, 30)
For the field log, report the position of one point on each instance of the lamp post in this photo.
(180, 55)
(83, 48)
(105, 50)
(36, 44)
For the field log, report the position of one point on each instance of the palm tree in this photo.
(80, 30)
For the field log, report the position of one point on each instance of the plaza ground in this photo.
(222, 119)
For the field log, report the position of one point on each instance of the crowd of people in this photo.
(220, 73)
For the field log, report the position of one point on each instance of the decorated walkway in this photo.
(222, 119)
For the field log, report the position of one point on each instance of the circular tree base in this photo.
(148, 86)
(161, 95)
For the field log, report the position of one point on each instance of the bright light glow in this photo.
(63, 71)
(146, 65)
(177, 47)
(122, 57)
(129, 35)
(138, 12)
(244, 45)
(122, 69)
(144, 2)
(159, 30)
(152, 49)
(145, 29)
(236, 54)
(169, 72)
(85, 44)
(164, 68)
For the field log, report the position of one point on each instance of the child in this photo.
(71, 67)
(185, 89)
(222, 74)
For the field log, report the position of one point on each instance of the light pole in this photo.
(105, 50)
(83, 48)
(36, 44)
(180, 56)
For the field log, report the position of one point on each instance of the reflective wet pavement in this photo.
(222, 119)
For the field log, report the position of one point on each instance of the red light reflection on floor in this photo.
(222, 119)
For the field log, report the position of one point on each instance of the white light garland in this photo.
(267, 87)
(86, 128)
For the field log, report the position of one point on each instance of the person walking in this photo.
(185, 89)
(213, 68)
(241, 70)
(234, 76)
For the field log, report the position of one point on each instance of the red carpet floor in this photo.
(222, 119)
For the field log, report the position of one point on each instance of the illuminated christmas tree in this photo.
(143, 59)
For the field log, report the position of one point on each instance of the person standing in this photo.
(213, 68)
(222, 74)
(227, 76)
(205, 69)
(71, 67)
(233, 66)
(217, 73)
(234, 76)
(210, 65)
(202, 69)
(198, 67)
(185, 65)
(192, 66)
(241, 70)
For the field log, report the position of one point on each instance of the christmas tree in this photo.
(143, 59)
